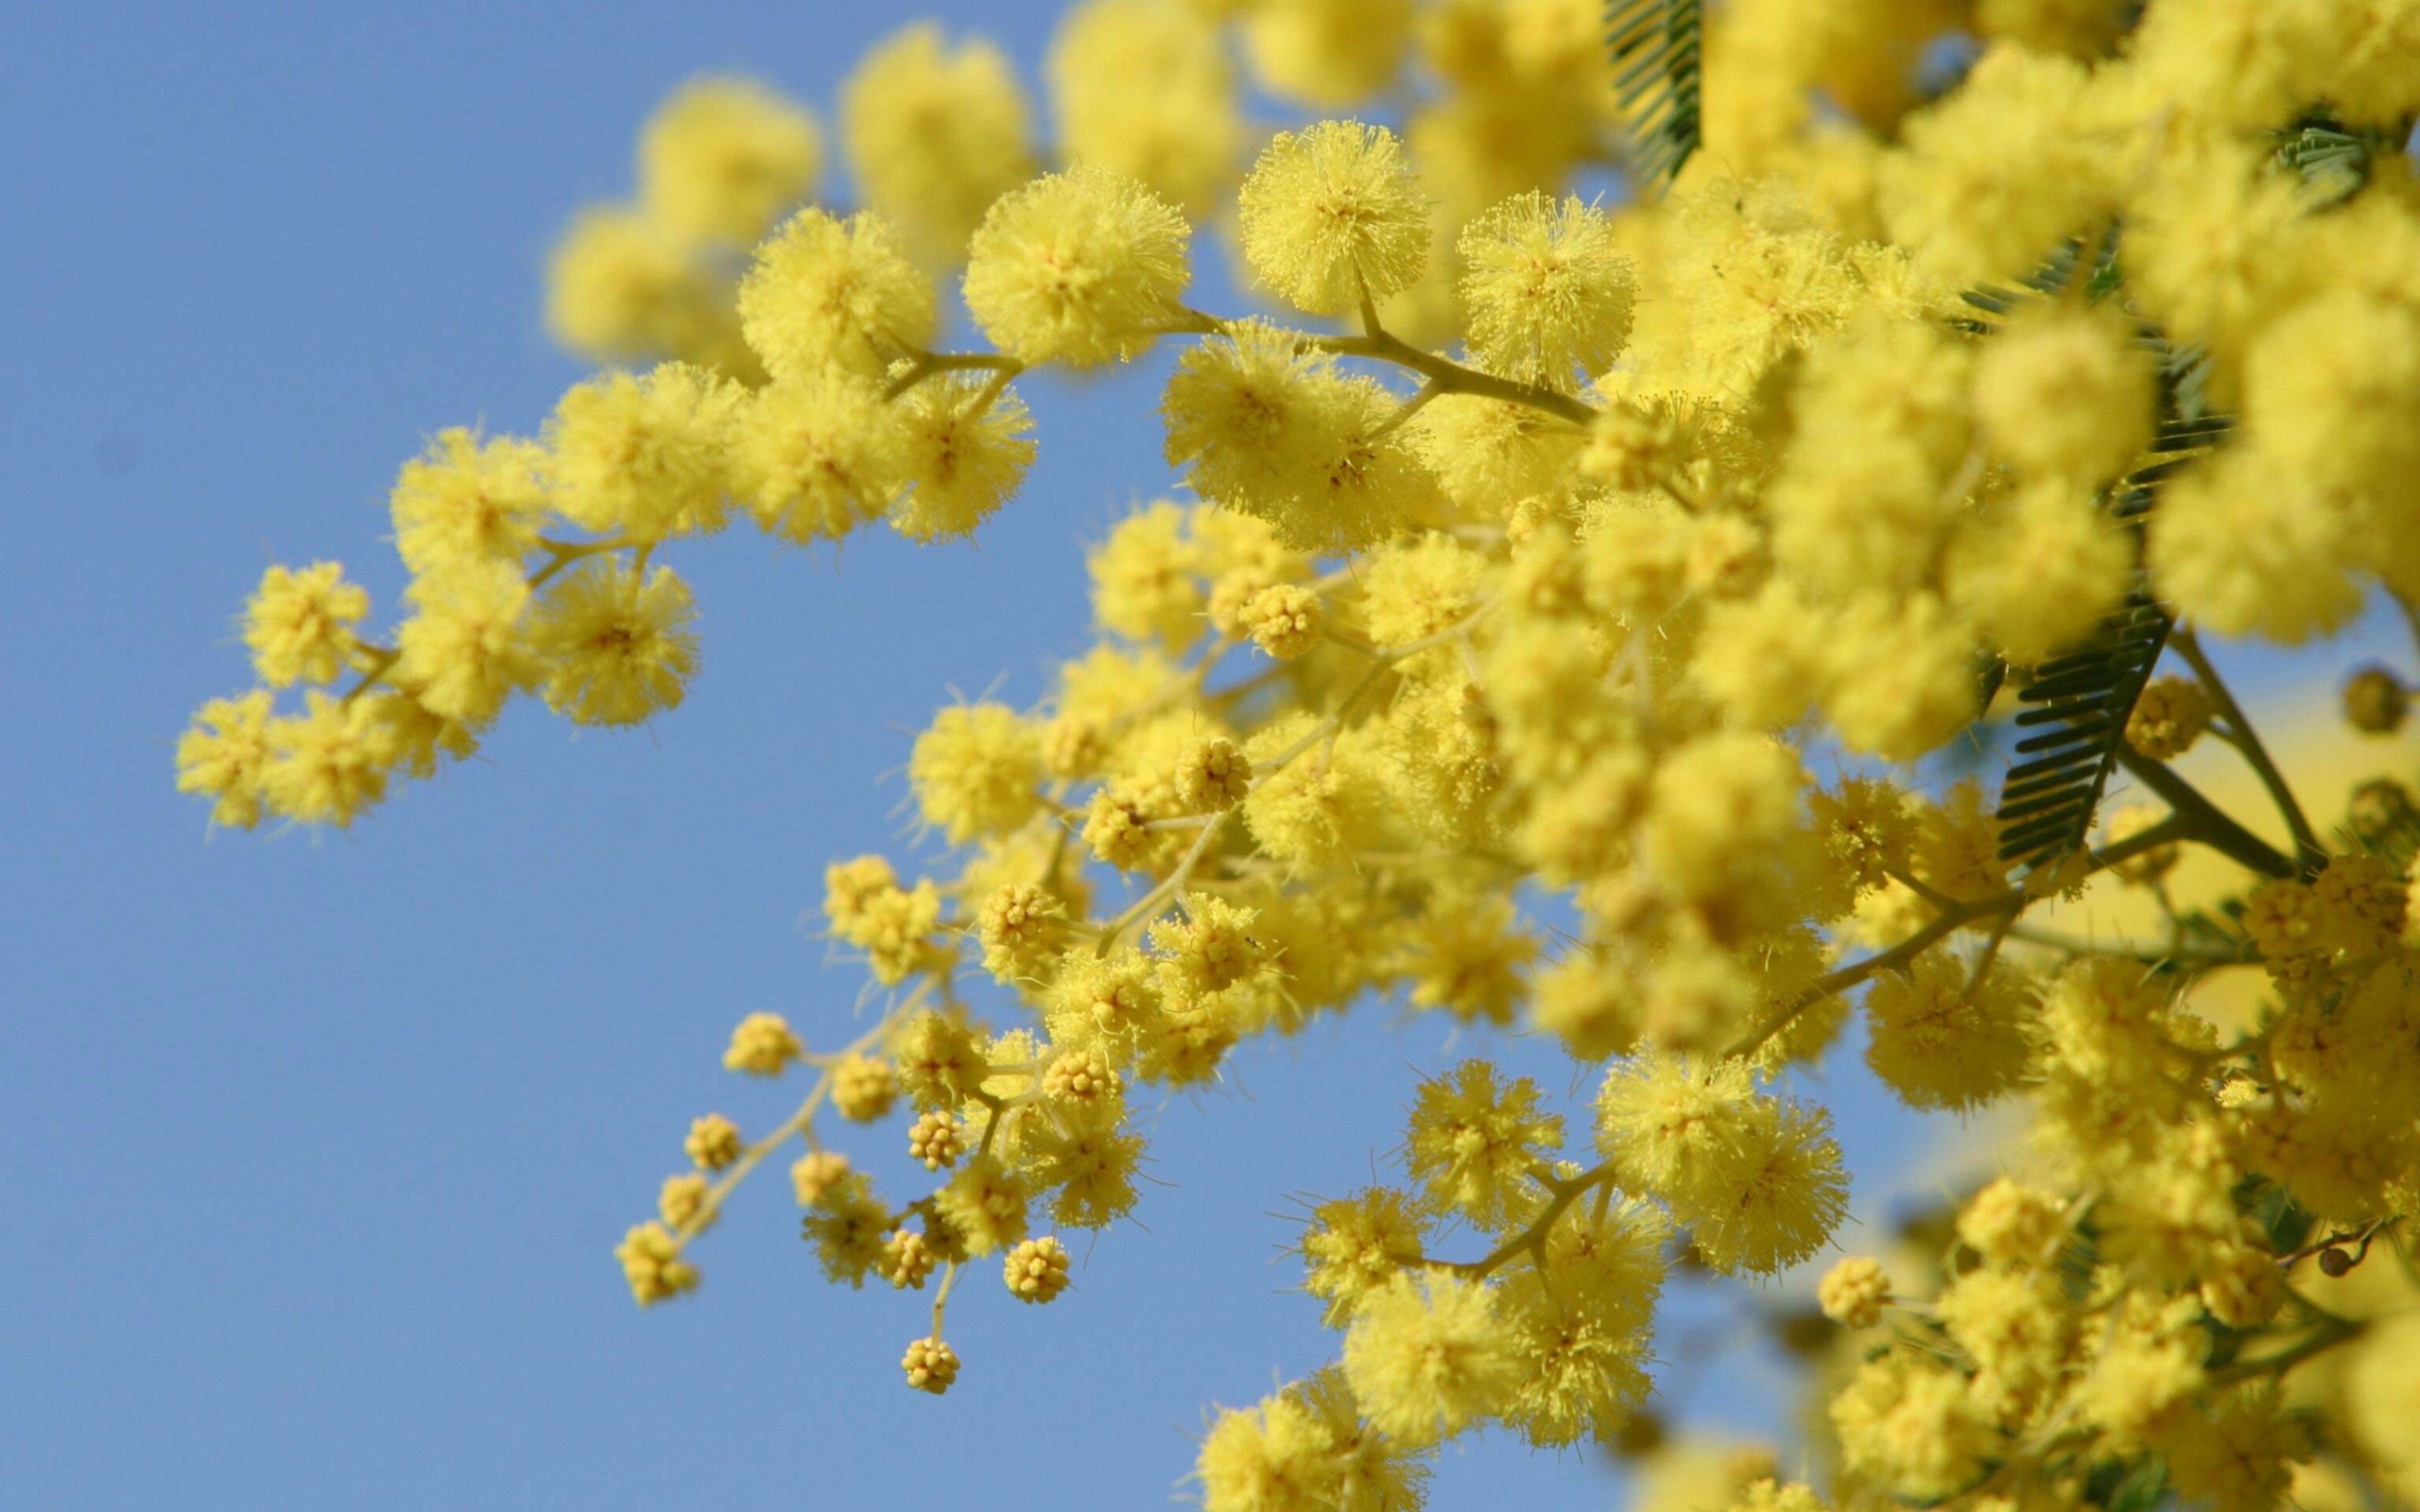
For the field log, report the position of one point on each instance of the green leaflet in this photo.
(1657, 48)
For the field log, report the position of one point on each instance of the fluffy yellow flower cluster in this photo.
(1511, 606)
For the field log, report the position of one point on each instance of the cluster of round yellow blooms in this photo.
(1563, 613)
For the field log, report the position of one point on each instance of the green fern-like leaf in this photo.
(2080, 701)
(1658, 49)
(2334, 164)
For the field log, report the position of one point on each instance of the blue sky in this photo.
(316, 1148)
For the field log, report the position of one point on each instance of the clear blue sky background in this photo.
(314, 1150)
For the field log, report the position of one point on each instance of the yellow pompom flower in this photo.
(465, 651)
(824, 292)
(2039, 571)
(1474, 1144)
(1945, 1036)
(224, 755)
(1470, 958)
(964, 449)
(2298, 586)
(815, 1173)
(2213, 240)
(420, 736)
(1243, 412)
(1756, 1177)
(2011, 1224)
(297, 623)
(1996, 173)
(330, 765)
(1716, 807)
(816, 457)
(2066, 394)
(850, 1228)
(1547, 295)
(985, 1203)
(465, 500)
(620, 288)
(1079, 268)
(644, 458)
(940, 1061)
(1427, 1357)
(2332, 393)
(722, 158)
(1902, 678)
(1267, 430)
(1144, 87)
(1332, 215)
(934, 134)
(1327, 53)
(1275, 1457)
(1145, 578)
(1756, 658)
(618, 646)
(976, 771)
(1354, 1245)
(1909, 1423)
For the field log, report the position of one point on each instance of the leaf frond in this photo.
(1658, 50)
